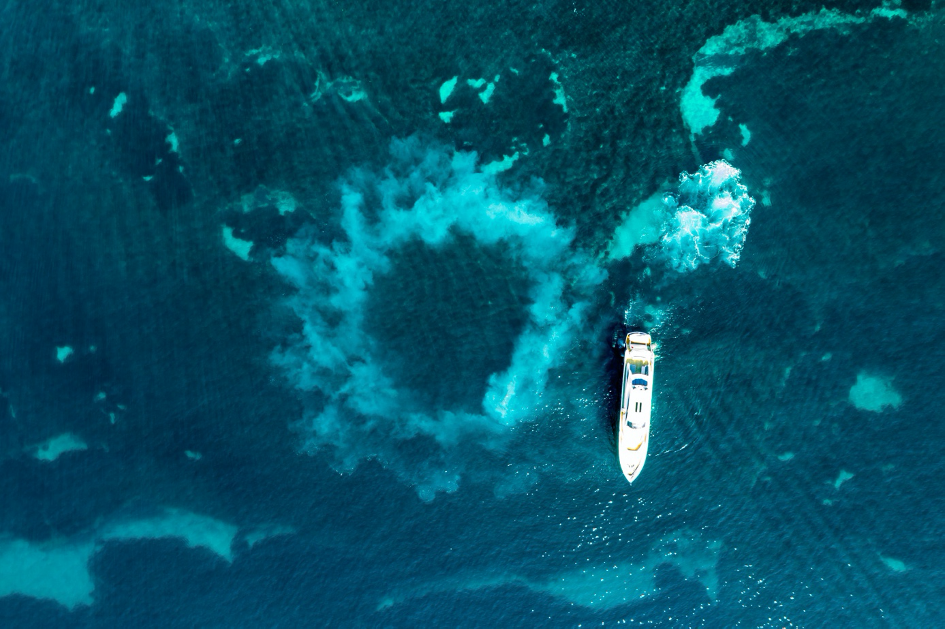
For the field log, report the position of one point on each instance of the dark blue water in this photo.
(301, 331)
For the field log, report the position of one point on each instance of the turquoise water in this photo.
(311, 314)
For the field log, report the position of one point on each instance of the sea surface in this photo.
(309, 313)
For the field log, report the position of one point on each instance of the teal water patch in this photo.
(894, 564)
(173, 143)
(874, 394)
(842, 477)
(500, 165)
(351, 89)
(447, 89)
(63, 353)
(722, 54)
(746, 134)
(642, 225)
(559, 98)
(58, 570)
(237, 245)
(263, 55)
(484, 88)
(347, 88)
(47, 571)
(252, 209)
(118, 105)
(285, 202)
(197, 531)
(55, 447)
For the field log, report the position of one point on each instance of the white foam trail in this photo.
(705, 218)
(361, 413)
(710, 220)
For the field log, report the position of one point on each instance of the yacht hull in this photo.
(636, 401)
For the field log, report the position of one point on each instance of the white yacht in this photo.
(636, 398)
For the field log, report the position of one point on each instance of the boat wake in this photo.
(710, 218)
(705, 218)
(355, 408)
